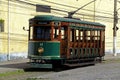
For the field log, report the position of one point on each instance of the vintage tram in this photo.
(55, 41)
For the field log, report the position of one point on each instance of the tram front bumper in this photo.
(38, 65)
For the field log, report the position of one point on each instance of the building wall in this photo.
(20, 11)
(107, 9)
(18, 38)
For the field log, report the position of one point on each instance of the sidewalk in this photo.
(110, 56)
(20, 64)
(13, 65)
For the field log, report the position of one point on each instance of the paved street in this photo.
(22, 63)
(13, 65)
(107, 70)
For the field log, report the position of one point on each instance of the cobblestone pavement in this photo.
(108, 71)
(102, 71)
(19, 64)
(19, 70)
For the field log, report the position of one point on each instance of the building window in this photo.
(1, 25)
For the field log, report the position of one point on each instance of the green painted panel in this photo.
(84, 27)
(51, 50)
(55, 18)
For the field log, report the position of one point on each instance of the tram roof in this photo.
(55, 18)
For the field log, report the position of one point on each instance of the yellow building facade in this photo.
(14, 14)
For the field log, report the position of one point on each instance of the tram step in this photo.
(80, 64)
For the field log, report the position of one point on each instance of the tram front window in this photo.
(41, 33)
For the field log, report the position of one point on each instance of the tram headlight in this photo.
(40, 50)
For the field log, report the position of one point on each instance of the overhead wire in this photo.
(60, 5)
(6, 4)
(55, 10)
(28, 3)
(84, 9)
(74, 7)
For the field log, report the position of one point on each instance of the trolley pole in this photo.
(115, 28)
(70, 14)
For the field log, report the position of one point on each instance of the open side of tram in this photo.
(55, 41)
